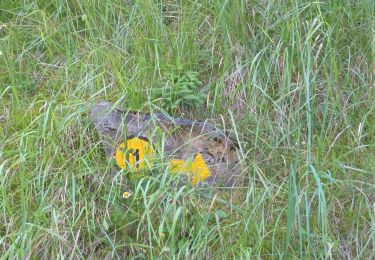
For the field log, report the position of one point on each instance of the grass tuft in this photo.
(294, 79)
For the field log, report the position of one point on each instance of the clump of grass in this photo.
(304, 74)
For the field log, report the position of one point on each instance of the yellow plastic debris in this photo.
(197, 169)
(134, 153)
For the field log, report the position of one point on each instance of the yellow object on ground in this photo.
(134, 154)
(126, 194)
(197, 168)
(136, 151)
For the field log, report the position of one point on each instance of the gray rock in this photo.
(174, 138)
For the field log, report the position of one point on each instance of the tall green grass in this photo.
(294, 78)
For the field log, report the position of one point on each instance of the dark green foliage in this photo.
(182, 92)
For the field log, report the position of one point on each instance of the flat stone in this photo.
(174, 138)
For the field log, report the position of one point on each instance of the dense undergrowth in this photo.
(294, 78)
